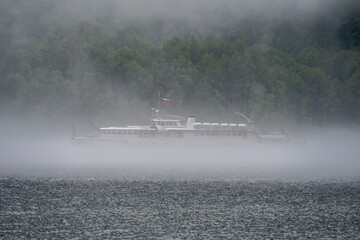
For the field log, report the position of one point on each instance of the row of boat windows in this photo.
(120, 132)
(218, 133)
(166, 123)
(197, 133)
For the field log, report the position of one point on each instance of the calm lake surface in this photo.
(64, 208)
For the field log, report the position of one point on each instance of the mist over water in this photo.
(331, 154)
(51, 187)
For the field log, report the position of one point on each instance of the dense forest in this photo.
(276, 61)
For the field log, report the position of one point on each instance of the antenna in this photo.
(243, 116)
(158, 102)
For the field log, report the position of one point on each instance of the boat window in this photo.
(107, 131)
(113, 131)
(118, 132)
(135, 132)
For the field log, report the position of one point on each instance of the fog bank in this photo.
(326, 155)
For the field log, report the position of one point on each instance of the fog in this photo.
(326, 155)
(55, 86)
(183, 18)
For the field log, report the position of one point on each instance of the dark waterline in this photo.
(168, 209)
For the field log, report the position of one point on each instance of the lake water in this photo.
(176, 209)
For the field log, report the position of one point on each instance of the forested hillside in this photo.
(277, 61)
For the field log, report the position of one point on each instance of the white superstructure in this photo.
(171, 128)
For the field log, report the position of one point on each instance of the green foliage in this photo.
(270, 68)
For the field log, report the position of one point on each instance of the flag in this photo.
(164, 100)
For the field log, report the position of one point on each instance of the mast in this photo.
(158, 102)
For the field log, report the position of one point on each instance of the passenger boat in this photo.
(174, 129)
